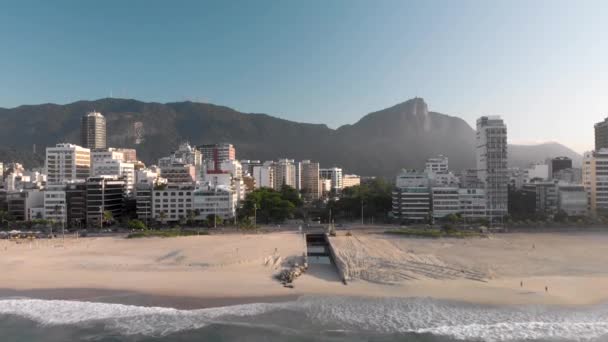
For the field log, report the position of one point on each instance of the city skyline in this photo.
(531, 63)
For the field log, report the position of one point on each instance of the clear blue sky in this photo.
(542, 65)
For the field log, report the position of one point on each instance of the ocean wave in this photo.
(349, 314)
(462, 320)
(126, 319)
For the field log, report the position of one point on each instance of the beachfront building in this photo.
(491, 155)
(67, 162)
(55, 204)
(75, 197)
(350, 180)
(572, 199)
(104, 194)
(546, 196)
(335, 175)
(412, 196)
(595, 180)
(445, 201)
(93, 131)
(214, 200)
(472, 203)
(172, 202)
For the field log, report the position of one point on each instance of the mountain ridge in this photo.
(379, 143)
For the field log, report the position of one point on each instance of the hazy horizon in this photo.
(538, 65)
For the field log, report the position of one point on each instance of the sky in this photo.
(541, 65)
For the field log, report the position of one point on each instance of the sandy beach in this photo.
(233, 268)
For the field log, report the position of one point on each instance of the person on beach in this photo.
(521, 284)
(546, 289)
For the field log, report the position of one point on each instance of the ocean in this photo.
(308, 318)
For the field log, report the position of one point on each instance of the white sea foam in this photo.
(126, 319)
(463, 321)
(457, 320)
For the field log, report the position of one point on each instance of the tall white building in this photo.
(264, 175)
(285, 173)
(55, 205)
(491, 145)
(67, 162)
(336, 177)
(595, 180)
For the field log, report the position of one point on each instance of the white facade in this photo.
(285, 174)
(444, 179)
(172, 203)
(538, 171)
(67, 162)
(491, 152)
(220, 201)
(595, 180)
(446, 201)
(472, 203)
(438, 164)
(116, 167)
(412, 196)
(336, 177)
(98, 156)
(572, 199)
(55, 207)
(264, 175)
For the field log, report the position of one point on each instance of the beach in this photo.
(511, 269)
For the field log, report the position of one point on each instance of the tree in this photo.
(561, 216)
(211, 218)
(136, 225)
(190, 215)
(292, 195)
(108, 217)
(163, 217)
(269, 205)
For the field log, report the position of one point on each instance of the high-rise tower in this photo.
(93, 131)
(491, 151)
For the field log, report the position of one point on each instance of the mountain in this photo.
(523, 155)
(379, 144)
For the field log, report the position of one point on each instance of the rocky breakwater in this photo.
(296, 269)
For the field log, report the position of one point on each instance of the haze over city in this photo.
(538, 64)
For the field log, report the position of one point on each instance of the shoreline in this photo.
(134, 298)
